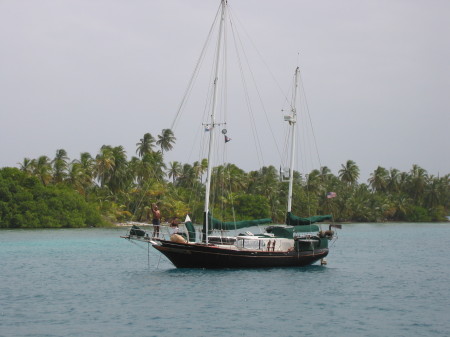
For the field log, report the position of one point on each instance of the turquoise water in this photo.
(381, 280)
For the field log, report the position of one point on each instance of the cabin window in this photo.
(250, 244)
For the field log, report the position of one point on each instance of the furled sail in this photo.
(283, 231)
(294, 220)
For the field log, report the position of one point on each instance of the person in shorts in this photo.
(156, 221)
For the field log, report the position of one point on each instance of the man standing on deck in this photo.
(156, 220)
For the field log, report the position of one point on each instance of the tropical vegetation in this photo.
(110, 187)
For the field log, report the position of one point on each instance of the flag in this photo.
(331, 195)
(227, 139)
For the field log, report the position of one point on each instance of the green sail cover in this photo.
(191, 231)
(217, 224)
(294, 220)
(282, 231)
(299, 225)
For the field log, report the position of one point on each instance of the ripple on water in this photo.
(91, 283)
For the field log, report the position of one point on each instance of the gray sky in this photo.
(82, 73)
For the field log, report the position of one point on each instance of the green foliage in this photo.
(249, 206)
(62, 193)
(417, 214)
(25, 202)
(438, 214)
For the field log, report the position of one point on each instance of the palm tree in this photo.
(26, 165)
(432, 193)
(266, 182)
(104, 165)
(60, 166)
(401, 203)
(393, 180)
(145, 145)
(237, 178)
(42, 169)
(359, 205)
(418, 179)
(120, 175)
(187, 176)
(444, 190)
(325, 173)
(166, 140)
(403, 181)
(75, 176)
(314, 182)
(378, 179)
(151, 166)
(200, 168)
(228, 178)
(204, 165)
(349, 173)
(81, 172)
(87, 164)
(135, 169)
(158, 165)
(174, 170)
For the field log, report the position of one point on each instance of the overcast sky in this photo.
(77, 74)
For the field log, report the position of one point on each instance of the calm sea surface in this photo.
(381, 280)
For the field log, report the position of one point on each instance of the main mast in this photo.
(292, 121)
(212, 124)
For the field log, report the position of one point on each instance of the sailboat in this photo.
(298, 242)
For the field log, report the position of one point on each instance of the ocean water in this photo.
(381, 280)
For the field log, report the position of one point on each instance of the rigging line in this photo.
(236, 34)
(188, 173)
(308, 191)
(196, 69)
(194, 190)
(306, 137)
(185, 175)
(148, 180)
(159, 260)
(135, 243)
(227, 183)
(288, 129)
(225, 73)
(197, 135)
(201, 149)
(310, 119)
(144, 187)
(259, 54)
(285, 161)
(247, 100)
(218, 173)
(236, 38)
